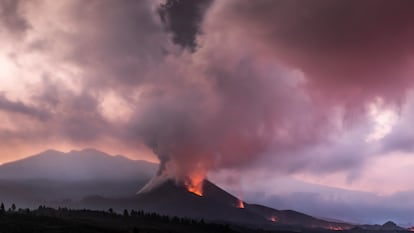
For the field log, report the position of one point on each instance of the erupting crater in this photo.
(195, 185)
(240, 204)
(201, 199)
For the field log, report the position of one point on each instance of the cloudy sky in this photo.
(284, 93)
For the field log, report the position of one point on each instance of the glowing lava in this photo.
(194, 184)
(335, 228)
(196, 189)
(273, 218)
(240, 204)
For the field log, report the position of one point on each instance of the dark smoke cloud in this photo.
(351, 51)
(74, 118)
(21, 108)
(12, 20)
(183, 19)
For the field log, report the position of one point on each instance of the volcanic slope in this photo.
(171, 198)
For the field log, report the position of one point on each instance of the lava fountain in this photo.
(240, 204)
(194, 183)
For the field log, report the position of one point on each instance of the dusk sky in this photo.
(276, 96)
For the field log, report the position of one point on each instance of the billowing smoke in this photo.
(268, 75)
(231, 83)
(220, 115)
(350, 51)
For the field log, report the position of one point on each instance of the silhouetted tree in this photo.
(111, 211)
(2, 209)
(13, 207)
(126, 214)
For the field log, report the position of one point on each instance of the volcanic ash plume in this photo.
(219, 107)
(250, 90)
(217, 115)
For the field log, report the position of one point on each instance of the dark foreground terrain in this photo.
(64, 220)
(45, 220)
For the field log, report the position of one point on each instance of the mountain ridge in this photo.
(83, 164)
(57, 178)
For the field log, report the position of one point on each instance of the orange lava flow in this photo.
(240, 204)
(336, 228)
(195, 189)
(194, 184)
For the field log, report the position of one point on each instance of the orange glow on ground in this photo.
(335, 228)
(195, 189)
(273, 218)
(240, 204)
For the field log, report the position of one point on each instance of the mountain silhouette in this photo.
(87, 164)
(56, 178)
(172, 198)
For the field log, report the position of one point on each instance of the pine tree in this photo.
(2, 209)
(126, 214)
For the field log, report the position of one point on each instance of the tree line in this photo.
(64, 219)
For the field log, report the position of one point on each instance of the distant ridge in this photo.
(56, 178)
(87, 164)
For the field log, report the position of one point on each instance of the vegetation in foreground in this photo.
(62, 220)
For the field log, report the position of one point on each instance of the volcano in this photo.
(216, 204)
(168, 197)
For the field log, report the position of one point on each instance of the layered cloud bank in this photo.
(295, 87)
